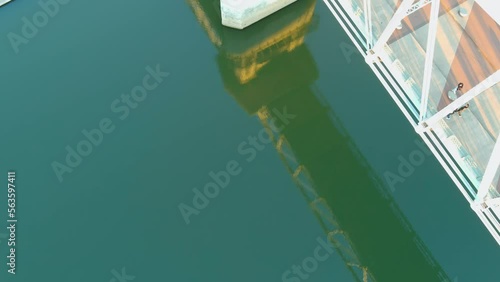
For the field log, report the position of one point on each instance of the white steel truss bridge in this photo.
(440, 62)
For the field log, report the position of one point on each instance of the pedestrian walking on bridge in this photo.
(459, 111)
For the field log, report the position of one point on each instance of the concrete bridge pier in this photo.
(242, 13)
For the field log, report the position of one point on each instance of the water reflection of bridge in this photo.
(267, 68)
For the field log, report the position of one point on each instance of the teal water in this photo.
(119, 208)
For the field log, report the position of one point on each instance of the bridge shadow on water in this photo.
(267, 66)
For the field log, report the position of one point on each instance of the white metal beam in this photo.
(462, 100)
(490, 172)
(367, 18)
(400, 14)
(429, 56)
(370, 31)
(492, 203)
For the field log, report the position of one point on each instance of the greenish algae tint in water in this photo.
(285, 115)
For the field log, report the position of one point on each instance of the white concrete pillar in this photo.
(242, 13)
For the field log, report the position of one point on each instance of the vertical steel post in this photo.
(429, 57)
(489, 173)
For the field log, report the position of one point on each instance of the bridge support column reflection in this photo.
(271, 68)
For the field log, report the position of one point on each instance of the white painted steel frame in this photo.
(429, 57)
(493, 202)
(489, 174)
(441, 153)
(370, 25)
(367, 20)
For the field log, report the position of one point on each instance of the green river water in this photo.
(115, 212)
